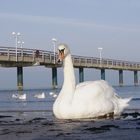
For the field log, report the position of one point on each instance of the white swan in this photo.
(86, 100)
(22, 96)
(40, 96)
(19, 96)
(53, 94)
(15, 96)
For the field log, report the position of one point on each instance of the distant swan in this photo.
(40, 96)
(53, 94)
(19, 96)
(86, 100)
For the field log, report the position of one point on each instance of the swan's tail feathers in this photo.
(124, 102)
(121, 104)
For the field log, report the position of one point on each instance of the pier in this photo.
(23, 57)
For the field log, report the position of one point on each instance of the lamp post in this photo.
(100, 53)
(54, 41)
(21, 44)
(16, 35)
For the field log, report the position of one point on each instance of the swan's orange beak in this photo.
(61, 55)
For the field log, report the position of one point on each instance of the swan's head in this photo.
(63, 51)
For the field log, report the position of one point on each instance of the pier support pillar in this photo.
(103, 74)
(135, 78)
(121, 77)
(20, 78)
(54, 77)
(81, 75)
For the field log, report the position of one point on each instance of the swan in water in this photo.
(86, 100)
(53, 94)
(40, 96)
(19, 96)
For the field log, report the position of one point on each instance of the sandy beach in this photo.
(30, 126)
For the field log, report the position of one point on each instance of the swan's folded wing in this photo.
(83, 84)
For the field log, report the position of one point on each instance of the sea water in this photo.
(33, 115)
(31, 103)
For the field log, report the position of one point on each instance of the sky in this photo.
(84, 25)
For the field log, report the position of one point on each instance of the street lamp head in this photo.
(13, 33)
(54, 39)
(18, 33)
(100, 48)
(19, 42)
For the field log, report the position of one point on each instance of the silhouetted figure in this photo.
(37, 53)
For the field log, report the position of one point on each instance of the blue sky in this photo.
(84, 25)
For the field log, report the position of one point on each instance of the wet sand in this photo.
(47, 127)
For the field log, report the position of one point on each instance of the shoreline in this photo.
(39, 126)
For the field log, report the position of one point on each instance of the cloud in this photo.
(65, 22)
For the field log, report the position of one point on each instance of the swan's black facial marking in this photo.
(61, 51)
(61, 54)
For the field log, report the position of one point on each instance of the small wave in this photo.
(17, 101)
(25, 110)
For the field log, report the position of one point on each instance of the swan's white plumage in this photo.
(86, 100)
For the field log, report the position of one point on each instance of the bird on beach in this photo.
(89, 99)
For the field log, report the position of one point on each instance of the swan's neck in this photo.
(63, 103)
(69, 76)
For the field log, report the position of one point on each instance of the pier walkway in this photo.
(23, 57)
